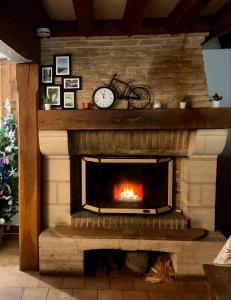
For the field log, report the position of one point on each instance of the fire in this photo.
(128, 192)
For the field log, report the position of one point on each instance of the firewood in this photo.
(162, 270)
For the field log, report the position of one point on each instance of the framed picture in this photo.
(47, 74)
(54, 92)
(72, 83)
(62, 64)
(69, 100)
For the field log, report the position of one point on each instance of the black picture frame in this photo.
(47, 74)
(54, 91)
(69, 99)
(72, 83)
(62, 63)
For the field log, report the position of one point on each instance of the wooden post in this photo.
(29, 166)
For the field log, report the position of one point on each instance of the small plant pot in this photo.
(215, 103)
(182, 105)
(47, 106)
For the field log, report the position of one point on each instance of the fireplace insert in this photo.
(127, 185)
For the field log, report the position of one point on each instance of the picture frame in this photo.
(62, 63)
(54, 91)
(69, 99)
(72, 83)
(47, 74)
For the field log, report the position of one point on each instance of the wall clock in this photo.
(104, 97)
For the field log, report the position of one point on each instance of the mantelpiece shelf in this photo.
(195, 118)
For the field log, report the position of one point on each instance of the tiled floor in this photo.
(17, 285)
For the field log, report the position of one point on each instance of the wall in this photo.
(218, 72)
(8, 87)
(169, 65)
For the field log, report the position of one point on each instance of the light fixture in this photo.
(43, 32)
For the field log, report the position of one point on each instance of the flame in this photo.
(128, 192)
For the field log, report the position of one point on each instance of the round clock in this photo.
(103, 97)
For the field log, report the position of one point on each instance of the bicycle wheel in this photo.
(139, 97)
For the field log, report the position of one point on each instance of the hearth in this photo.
(127, 185)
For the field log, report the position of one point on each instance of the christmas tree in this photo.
(8, 168)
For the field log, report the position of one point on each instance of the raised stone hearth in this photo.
(194, 153)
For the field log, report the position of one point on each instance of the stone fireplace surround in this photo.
(195, 153)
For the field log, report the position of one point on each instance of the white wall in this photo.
(218, 73)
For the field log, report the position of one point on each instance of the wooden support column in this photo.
(29, 166)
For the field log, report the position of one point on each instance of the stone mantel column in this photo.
(198, 176)
(56, 168)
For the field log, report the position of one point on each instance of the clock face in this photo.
(103, 97)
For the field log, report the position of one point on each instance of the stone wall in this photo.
(169, 65)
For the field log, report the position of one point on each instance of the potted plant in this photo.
(184, 99)
(215, 99)
(47, 102)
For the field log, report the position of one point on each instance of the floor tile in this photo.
(141, 285)
(110, 295)
(162, 295)
(85, 294)
(35, 294)
(73, 283)
(11, 293)
(51, 282)
(135, 295)
(27, 281)
(59, 294)
(121, 284)
(8, 280)
(97, 283)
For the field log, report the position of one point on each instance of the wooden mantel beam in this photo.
(184, 13)
(158, 119)
(84, 15)
(133, 15)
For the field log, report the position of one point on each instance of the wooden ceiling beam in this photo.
(17, 32)
(184, 13)
(222, 19)
(84, 16)
(133, 15)
(34, 12)
(115, 27)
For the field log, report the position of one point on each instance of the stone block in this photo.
(203, 217)
(208, 195)
(202, 171)
(63, 192)
(53, 142)
(57, 169)
(49, 192)
(55, 214)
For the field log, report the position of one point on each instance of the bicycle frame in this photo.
(127, 89)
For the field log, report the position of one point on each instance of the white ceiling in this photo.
(63, 10)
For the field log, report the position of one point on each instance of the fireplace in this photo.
(126, 185)
(72, 230)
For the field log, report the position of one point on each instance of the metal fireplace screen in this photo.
(127, 185)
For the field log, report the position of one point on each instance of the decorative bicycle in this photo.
(137, 95)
